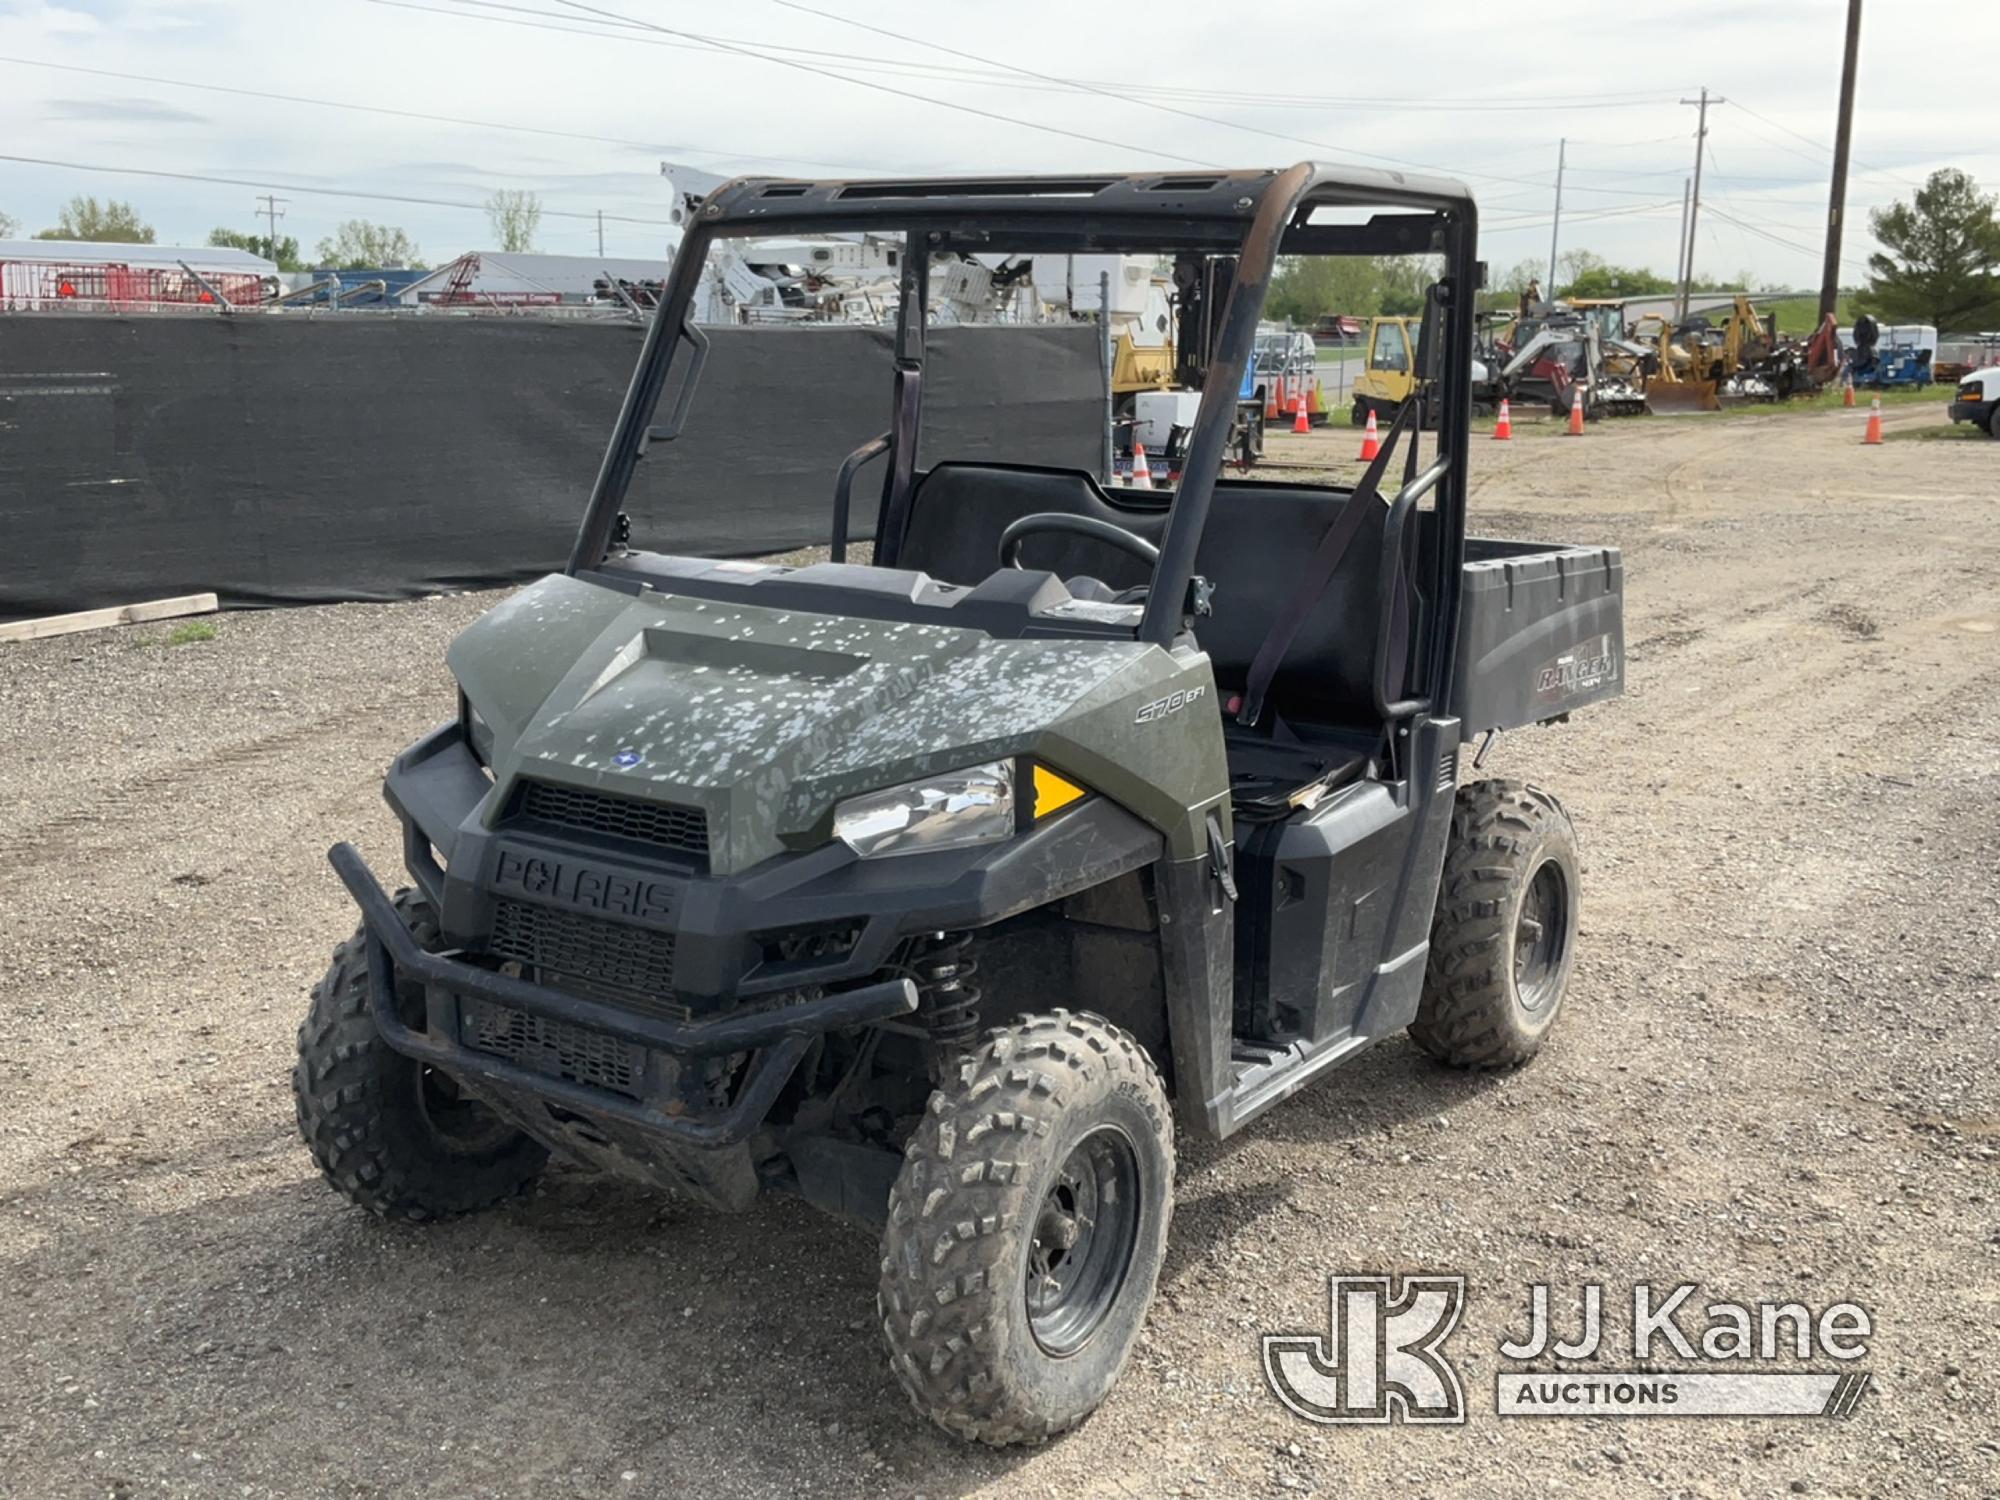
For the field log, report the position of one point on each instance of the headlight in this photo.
(478, 733)
(958, 808)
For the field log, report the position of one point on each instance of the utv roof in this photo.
(1158, 208)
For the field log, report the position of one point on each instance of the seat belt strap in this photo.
(1333, 545)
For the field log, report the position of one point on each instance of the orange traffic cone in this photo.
(1576, 411)
(1503, 430)
(1142, 476)
(1847, 392)
(1300, 421)
(1874, 433)
(1371, 443)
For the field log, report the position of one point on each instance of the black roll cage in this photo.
(1252, 215)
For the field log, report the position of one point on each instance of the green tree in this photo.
(1573, 265)
(1404, 279)
(1504, 292)
(9, 225)
(514, 216)
(1940, 262)
(108, 222)
(285, 252)
(1708, 281)
(1306, 287)
(358, 245)
(1618, 281)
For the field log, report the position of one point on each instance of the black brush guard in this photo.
(778, 1037)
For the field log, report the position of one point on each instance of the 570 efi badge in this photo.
(1173, 703)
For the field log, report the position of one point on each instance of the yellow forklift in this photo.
(1389, 375)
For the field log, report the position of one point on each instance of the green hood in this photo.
(766, 718)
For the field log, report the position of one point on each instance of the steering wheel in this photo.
(1125, 541)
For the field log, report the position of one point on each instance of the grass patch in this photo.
(1830, 400)
(1799, 316)
(1950, 432)
(190, 633)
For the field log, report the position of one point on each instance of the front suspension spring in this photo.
(947, 999)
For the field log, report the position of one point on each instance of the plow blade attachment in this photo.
(1682, 395)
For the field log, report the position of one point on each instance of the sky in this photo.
(431, 105)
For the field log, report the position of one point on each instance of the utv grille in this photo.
(554, 1049)
(630, 966)
(659, 823)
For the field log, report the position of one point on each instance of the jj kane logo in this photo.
(1382, 1358)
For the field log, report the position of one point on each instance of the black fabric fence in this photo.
(281, 460)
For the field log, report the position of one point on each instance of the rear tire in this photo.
(1504, 938)
(388, 1132)
(1026, 1229)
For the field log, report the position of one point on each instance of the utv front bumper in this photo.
(743, 1003)
(783, 1034)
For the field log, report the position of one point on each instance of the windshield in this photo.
(826, 379)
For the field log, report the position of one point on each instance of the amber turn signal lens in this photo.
(1053, 792)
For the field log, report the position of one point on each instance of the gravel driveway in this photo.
(1776, 1076)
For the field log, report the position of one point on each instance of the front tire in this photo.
(1026, 1229)
(1993, 421)
(1504, 938)
(388, 1132)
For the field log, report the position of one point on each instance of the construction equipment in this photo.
(1390, 375)
(1678, 381)
(1702, 364)
(1557, 350)
(1886, 356)
(935, 890)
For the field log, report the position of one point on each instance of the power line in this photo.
(870, 62)
(1822, 146)
(615, 23)
(406, 114)
(1109, 93)
(885, 88)
(1590, 216)
(1134, 94)
(295, 187)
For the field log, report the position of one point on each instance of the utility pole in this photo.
(1694, 203)
(1681, 244)
(1829, 276)
(1555, 231)
(272, 212)
(600, 234)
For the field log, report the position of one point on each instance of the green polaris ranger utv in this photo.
(940, 890)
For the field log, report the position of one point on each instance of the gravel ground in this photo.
(1776, 1075)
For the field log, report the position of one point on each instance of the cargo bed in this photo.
(1541, 632)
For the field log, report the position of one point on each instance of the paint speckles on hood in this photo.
(759, 716)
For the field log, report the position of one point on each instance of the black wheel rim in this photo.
(1541, 938)
(1084, 1234)
(460, 1122)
